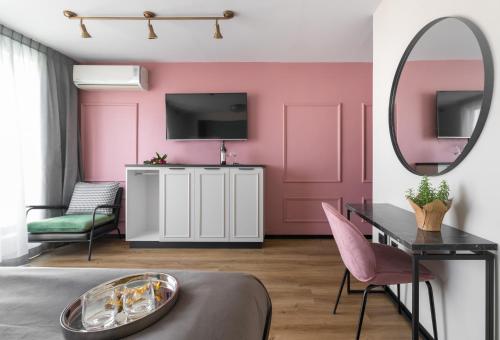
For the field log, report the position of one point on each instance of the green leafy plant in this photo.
(426, 193)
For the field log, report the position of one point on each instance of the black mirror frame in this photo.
(487, 92)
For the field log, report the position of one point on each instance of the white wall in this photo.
(459, 288)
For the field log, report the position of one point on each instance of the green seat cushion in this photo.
(68, 224)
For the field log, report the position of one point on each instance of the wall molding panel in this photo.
(336, 201)
(366, 171)
(109, 133)
(337, 109)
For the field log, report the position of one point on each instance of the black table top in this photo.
(400, 224)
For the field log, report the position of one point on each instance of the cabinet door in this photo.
(212, 204)
(246, 213)
(176, 202)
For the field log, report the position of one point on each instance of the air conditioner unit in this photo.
(110, 77)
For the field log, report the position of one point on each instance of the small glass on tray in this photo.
(99, 308)
(138, 298)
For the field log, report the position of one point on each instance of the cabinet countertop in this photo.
(194, 165)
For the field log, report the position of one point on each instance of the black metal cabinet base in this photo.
(234, 245)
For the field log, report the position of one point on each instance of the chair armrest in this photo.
(106, 206)
(45, 207)
(102, 206)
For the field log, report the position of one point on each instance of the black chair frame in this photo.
(89, 236)
(370, 289)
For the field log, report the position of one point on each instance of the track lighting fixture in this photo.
(83, 30)
(152, 34)
(217, 33)
(150, 16)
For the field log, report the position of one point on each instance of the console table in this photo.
(195, 205)
(449, 244)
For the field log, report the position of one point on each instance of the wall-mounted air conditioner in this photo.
(110, 77)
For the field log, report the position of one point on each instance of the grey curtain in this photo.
(60, 134)
(60, 123)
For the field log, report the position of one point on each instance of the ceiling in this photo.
(262, 30)
(449, 39)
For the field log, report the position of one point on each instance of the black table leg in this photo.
(490, 297)
(348, 214)
(415, 297)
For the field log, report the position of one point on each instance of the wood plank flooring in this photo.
(302, 277)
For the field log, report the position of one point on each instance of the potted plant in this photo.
(430, 204)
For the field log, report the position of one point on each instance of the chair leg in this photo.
(362, 312)
(433, 311)
(119, 233)
(399, 298)
(90, 248)
(346, 273)
(348, 282)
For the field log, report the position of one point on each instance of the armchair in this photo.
(75, 228)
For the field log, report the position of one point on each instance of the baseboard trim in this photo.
(293, 237)
(304, 237)
(267, 237)
(113, 236)
(230, 245)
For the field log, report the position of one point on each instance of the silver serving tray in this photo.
(71, 317)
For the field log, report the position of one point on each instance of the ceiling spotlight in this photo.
(83, 30)
(152, 34)
(217, 33)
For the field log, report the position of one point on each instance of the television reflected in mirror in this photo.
(206, 116)
(457, 113)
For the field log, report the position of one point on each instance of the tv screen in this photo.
(457, 113)
(220, 116)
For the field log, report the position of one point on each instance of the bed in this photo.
(211, 305)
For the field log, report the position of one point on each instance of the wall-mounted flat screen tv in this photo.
(457, 113)
(200, 116)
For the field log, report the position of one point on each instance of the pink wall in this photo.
(309, 124)
(416, 106)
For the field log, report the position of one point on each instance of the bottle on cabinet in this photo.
(223, 152)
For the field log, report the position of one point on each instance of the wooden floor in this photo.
(302, 277)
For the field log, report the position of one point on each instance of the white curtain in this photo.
(22, 70)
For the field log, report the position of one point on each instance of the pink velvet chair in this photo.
(377, 265)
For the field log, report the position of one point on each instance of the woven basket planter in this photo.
(430, 216)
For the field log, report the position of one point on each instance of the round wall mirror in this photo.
(441, 96)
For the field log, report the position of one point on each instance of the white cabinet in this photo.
(141, 209)
(176, 204)
(195, 204)
(246, 224)
(211, 204)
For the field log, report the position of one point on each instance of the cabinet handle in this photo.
(246, 168)
(177, 168)
(146, 173)
(212, 168)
